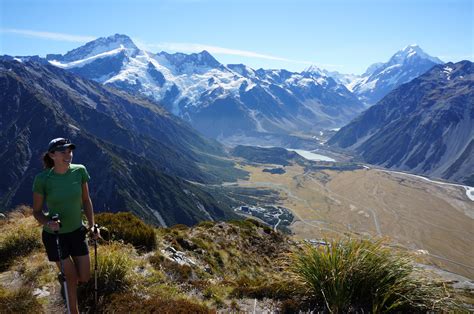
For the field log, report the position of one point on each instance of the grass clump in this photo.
(360, 275)
(128, 228)
(16, 243)
(19, 301)
(115, 266)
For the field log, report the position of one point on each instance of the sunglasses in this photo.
(62, 142)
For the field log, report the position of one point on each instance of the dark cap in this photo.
(60, 144)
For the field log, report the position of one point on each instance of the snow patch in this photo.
(258, 124)
(201, 208)
(74, 127)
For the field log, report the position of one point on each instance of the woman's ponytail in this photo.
(48, 163)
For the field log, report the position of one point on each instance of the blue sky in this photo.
(346, 36)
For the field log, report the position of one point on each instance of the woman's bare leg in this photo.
(71, 279)
(83, 267)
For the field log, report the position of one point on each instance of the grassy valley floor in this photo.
(434, 220)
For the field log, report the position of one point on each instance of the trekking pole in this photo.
(61, 263)
(95, 229)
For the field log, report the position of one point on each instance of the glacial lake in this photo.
(309, 155)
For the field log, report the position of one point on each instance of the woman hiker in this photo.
(63, 187)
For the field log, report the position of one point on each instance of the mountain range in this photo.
(239, 102)
(218, 100)
(141, 158)
(425, 126)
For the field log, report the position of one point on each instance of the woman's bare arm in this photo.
(38, 208)
(87, 205)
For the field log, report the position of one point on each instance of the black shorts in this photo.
(72, 244)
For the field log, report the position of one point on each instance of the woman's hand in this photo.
(95, 232)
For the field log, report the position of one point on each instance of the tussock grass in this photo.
(19, 301)
(16, 242)
(115, 265)
(128, 228)
(360, 275)
(36, 270)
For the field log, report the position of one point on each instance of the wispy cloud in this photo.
(193, 47)
(456, 58)
(49, 35)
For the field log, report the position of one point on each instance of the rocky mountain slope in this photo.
(240, 266)
(425, 126)
(138, 155)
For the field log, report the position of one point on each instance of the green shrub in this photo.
(246, 224)
(128, 228)
(366, 276)
(19, 301)
(17, 243)
(131, 303)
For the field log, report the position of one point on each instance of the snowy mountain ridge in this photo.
(199, 89)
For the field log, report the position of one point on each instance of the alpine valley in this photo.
(239, 105)
(171, 137)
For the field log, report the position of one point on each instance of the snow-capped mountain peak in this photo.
(96, 47)
(411, 52)
(314, 70)
(381, 78)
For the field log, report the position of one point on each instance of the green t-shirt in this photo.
(63, 195)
